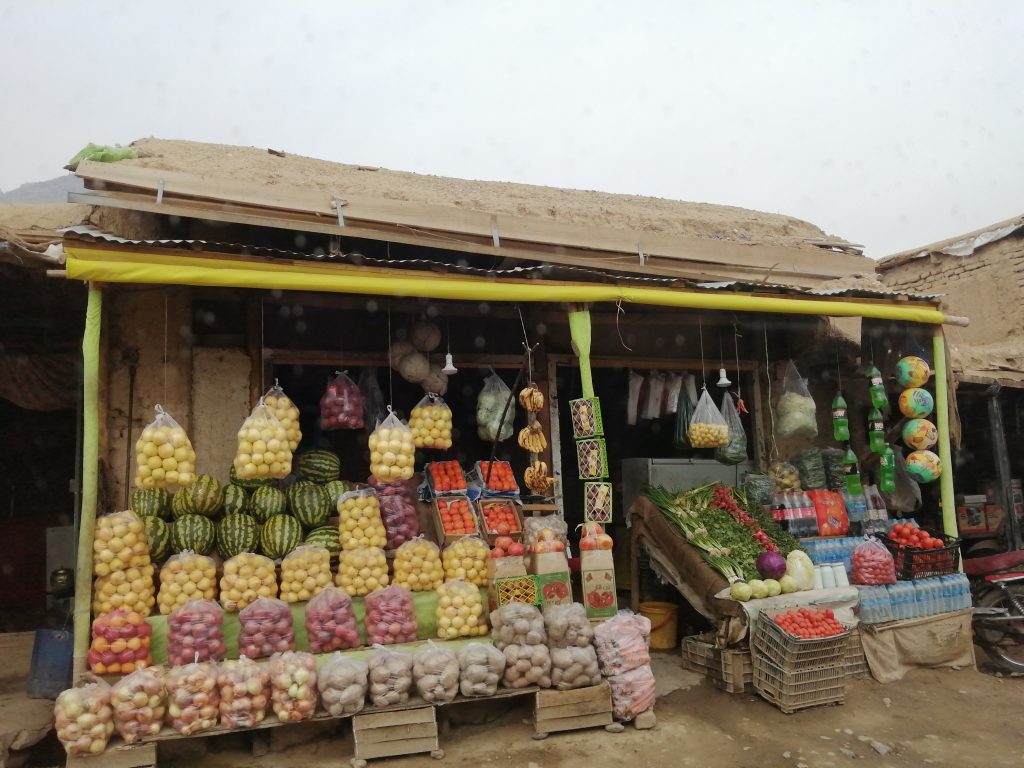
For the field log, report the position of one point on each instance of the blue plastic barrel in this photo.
(51, 663)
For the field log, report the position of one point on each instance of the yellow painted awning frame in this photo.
(154, 267)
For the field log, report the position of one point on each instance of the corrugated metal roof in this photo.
(837, 292)
(961, 245)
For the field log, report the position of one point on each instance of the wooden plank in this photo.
(418, 714)
(397, 733)
(589, 707)
(573, 723)
(558, 698)
(123, 756)
(395, 748)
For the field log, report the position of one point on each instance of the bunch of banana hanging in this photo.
(531, 438)
(531, 399)
(537, 479)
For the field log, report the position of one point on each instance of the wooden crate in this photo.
(728, 669)
(571, 710)
(396, 732)
(120, 756)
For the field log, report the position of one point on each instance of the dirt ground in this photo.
(959, 718)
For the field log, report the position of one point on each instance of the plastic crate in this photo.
(794, 654)
(912, 563)
(793, 691)
(597, 502)
(592, 458)
(728, 669)
(855, 663)
(586, 417)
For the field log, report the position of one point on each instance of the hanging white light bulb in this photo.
(723, 380)
(449, 363)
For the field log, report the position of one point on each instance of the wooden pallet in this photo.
(121, 756)
(399, 732)
(571, 710)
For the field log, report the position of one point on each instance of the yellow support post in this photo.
(942, 422)
(90, 475)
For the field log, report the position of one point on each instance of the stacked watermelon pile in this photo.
(245, 515)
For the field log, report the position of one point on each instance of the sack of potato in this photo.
(342, 683)
(517, 624)
(481, 667)
(435, 671)
(574, 667)
(568, 626)
(526, 665)
(390, 677)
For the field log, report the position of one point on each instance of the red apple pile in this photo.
(330, 622)
(341, 406)
(120, 643)
(390, 617)
(266, 629)
(194, 633)
(397, 512)
(506, 546)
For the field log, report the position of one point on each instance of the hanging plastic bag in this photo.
(139, 701)
(163, 454)
(759, 488)
(655, 394)
(435, 671)
(736, 451)
(786, 476)
(431, 423)
(342, 682)
(636, 383)
(670, 402)
(392, 450)
(390, 616)
(390, 677)
(811, 466)
(194, 633)
(375, 406)
(193, 698)
(707, 427)
(685, 403)
(481, 667)
(263, 452)
(286, 412)
(835, 471)
(490, 404)
(266, 628)
(872, 564)
(244, 688)
(359, 519)
(795, 414)
(397, 512)
(82, 736)
(341, 406)
(907, 496)
(331, 622)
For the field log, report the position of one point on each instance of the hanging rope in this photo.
(774, 453)
(391, 369)
(703, 373)
(619, 310)
(165, 346)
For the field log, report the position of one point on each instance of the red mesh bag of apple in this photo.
(266, 628)
(397, 512)
(194, 633)
(84, 718)
(545, 534)
(140, 702)
(331, 622)
(120, 643)
(244, 689)
(341, 406)
(390, 617)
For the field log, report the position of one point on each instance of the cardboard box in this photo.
(551, 572)
(442, 501)
(993, 517)
(510, 504)
(970, 518)
(505, 567)
(597, 568)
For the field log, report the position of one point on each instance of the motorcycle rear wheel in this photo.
(1005, 649)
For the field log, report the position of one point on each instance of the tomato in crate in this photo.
(447, 477)
(500, 518)
(456, 517)
(497, 476)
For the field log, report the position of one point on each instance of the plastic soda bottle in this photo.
(876, 431)
(840, 418)
(879, 398)
(887, 472)
(852, 471)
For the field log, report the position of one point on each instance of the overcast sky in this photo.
(892, 124)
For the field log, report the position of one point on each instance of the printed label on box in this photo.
(554, 588)
(599, 593)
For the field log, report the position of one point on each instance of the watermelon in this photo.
(325, 536)
(309, 503)
(251, 484)
(280, 535)
(318, 466)
(207, 496)
(194, 533)
(151, 502)
(236, 533)
(236, 499)
(335, 488)
(181, 503)
(267, 502)
(158, 533)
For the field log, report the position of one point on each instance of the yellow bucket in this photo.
(663, 624)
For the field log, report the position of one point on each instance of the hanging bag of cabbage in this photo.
(263, 448)
(707, 427)
(431, 423)
(341, 406)
(736, 451)
(163, 454)
(795, 414)
(286, 412)
(490, 406)
(686, 401)
(392, 450)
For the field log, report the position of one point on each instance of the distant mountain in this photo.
(49, 191)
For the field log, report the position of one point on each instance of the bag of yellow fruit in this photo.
(246, 578)
(264, 451)
(185, 577)
(431, 423)
(119, 543)
(460, 610)
(392, 450)
(707, 427)
(163, 454)
(305, 571)
(362, 570)
(418, 566)
(286, 412)
(466, 559)
(359, 520)
(131, 589)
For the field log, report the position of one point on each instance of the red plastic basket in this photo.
(913, 563)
